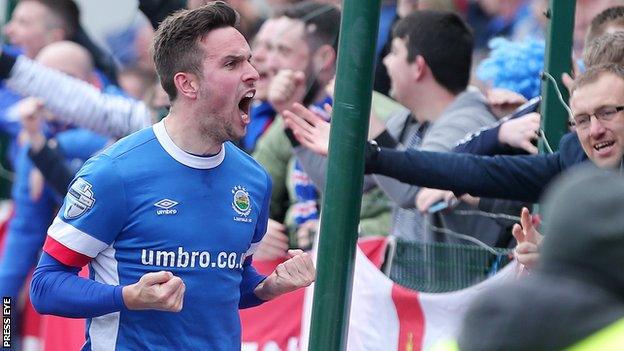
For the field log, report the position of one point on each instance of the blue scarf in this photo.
(306, 206)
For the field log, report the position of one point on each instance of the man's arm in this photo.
(297, 272)
(511, 137)
(72, 100)
(92, 215)
(303, 121)
(58, 290)
(76, 297)
(508, 177)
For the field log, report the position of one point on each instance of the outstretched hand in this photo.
(310, 129)
(297, 272)
(529, 239)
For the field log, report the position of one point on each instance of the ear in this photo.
(418, 68)
(187, 84)
(324, 58)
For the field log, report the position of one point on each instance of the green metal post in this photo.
(560, 15)
(343, 190)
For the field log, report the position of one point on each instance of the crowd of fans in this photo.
(450, 79)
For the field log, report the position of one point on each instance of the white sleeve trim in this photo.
(75, 239)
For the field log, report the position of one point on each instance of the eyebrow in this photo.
(237, 57)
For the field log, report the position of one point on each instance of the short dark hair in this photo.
(593, 73)
(598, 26)
(322, 22)
(175, 48)
(66, 12)
(444, 40)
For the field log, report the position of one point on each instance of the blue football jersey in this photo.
(144, 205)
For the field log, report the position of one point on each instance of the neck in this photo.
(429, 103)
(187, 134)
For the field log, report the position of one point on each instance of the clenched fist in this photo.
(286, 88)
(155, 291)
(297, 272)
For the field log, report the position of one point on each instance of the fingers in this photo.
(308, 128)
(300, 128)
(427, 197)
(156, 277)
(286, 87)
(301, 268)
(172, 294)
(156, 290)
(306, 114)
(295, 252)
(517, 233)
(529, 147)
(527, 225)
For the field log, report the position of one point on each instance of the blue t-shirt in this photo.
(144, 205)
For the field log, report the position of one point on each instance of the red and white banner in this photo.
(384, 316)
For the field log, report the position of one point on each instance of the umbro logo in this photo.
(165, 207)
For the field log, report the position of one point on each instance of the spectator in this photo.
(433, 83)
(34, 202)
(262, 113)
(303, 55)
(599, 139)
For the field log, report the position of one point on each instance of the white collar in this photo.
(182, 156)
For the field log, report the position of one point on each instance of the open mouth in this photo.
(603, 145)
(245, 104)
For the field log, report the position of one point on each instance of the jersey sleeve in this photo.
(251, 278)
(57, 289)
(93, 214)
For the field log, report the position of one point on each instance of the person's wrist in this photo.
(129, 295)
(371, 152)
(266, 290)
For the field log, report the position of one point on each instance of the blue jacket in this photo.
(517, 177)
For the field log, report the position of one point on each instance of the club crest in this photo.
(241, 202)
(79, 199)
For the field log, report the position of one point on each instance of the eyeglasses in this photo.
(603, 114)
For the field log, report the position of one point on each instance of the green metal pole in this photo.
(560, 15)
(343, 190)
